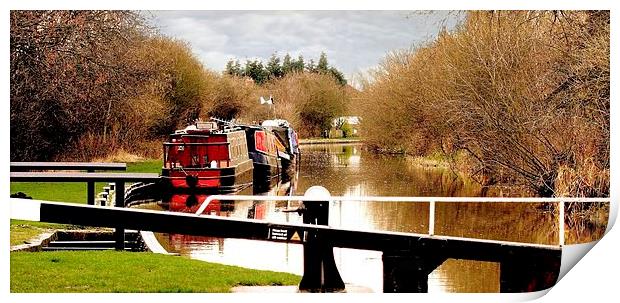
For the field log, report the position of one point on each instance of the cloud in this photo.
(353, 40)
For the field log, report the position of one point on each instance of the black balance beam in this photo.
(87, 166)
(518, 261)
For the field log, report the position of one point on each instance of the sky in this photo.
(353, 41)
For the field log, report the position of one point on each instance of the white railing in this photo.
(430, 200)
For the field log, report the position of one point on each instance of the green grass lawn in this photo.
(111, 271)
(23, 231)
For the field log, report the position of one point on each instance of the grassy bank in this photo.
(111, 271)
(24, 231)
(436, 159)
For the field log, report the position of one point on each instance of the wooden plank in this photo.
(82, 177)
(27, 166)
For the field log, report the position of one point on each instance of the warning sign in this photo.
(282, 234)
(278, 234)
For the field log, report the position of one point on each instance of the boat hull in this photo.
(211, 180)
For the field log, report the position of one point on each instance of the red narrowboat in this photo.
(206, 158)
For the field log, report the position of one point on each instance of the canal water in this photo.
(348, 170)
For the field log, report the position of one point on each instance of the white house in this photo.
(353, 121)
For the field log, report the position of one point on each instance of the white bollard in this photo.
(318, 192)
(101, 201)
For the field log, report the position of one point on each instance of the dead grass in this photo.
(120, 156)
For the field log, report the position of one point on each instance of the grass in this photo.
(62, 192)
(112, 271)
(24, 231)
(21, 233)
(435, 159)
(149, 166)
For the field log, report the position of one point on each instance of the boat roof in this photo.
(276, 123)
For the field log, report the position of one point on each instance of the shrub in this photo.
(524, 94)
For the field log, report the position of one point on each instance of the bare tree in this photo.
(70, 73)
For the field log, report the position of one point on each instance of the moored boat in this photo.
(205, 157)
(263, 149)
(285, 133)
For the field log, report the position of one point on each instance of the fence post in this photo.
(119, 201)
(561, 223)
(431, 218)
(90, 191)
(320, 271)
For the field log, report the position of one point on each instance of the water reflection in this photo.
(347, 170)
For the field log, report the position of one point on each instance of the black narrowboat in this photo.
(263, 149)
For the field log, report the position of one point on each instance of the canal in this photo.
(348, 170)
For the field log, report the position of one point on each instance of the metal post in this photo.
(119, 232)
(90, 191)
(431, 218)
(407, 271)
(320, 271)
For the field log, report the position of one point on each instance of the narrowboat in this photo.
(205, 157)
(285, 133)
(263, 148)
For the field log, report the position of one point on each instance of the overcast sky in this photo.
(352, 40)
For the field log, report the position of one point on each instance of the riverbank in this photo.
(112, 271)
(329, 140)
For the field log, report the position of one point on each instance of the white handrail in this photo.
(431, 218)
(399, 199)
(430, 200)
(561, 223)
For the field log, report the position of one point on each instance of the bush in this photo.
(181, 86)
(309, 100)
(347, 130)
(86, 83)
(524, 94)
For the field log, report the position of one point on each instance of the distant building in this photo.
(352, 121)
